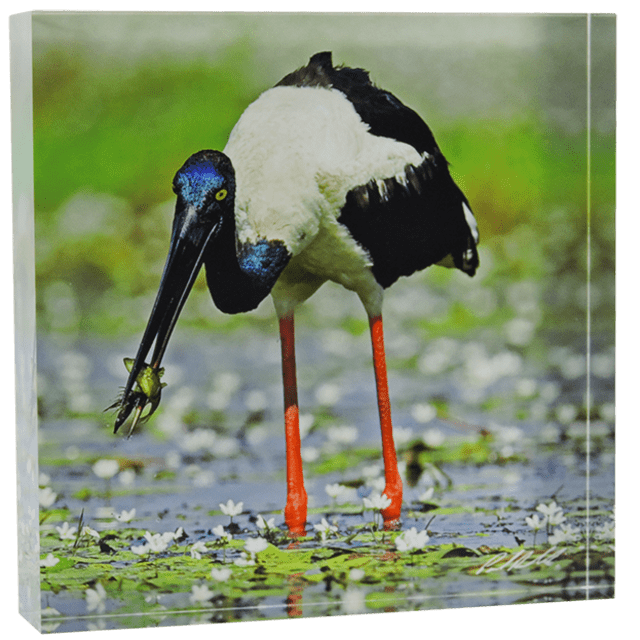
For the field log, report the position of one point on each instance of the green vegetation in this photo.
(355, 568)
(108, 141)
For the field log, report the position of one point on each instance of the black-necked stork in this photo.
(325, 177)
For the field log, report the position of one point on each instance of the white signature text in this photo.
(519, 560)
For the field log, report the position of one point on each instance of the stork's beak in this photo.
(190, 237)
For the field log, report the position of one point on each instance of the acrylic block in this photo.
(501, 385)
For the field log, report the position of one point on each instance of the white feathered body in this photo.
(297, 152)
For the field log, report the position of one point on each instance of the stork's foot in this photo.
(295, 513)
(391, 514)
(392, 525)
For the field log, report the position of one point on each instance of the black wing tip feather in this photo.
(467, 260)
(407, 224)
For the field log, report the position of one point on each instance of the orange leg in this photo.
(393, 487)
(295, 512)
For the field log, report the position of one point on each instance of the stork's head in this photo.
(205, 190)
(204, 182)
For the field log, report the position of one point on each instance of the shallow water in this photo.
(219, 437)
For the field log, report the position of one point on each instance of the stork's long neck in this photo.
(240, 276)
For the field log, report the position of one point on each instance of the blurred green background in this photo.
(121, 100)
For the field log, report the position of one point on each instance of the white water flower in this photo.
(66, 532)
(197, 549)
(262, 524)
(47, 497)
(125, 516)
(141, 549)
(325, 528)
(411, 539)
(49, 561)
(535, 523)
(158, 542)
(200, 593)
(170, 536)
(96, 599)
(106, 468)
(221, 533)
(356, 574)
(255, 545)
(231, 508)
(252, 547)
(244, 561)
(556, 519)
(88, 531)
(220, 575)
(548, 510)
(377, 501)
(564, 534)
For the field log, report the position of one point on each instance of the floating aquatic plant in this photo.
(231, 509)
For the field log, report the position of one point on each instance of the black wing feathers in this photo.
(409, 222)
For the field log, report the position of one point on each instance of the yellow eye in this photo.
(221, 195)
